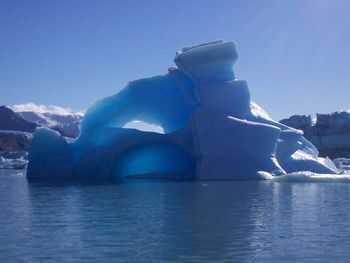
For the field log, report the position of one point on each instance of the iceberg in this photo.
(211, 130)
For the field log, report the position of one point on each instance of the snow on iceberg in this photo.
(210, 130)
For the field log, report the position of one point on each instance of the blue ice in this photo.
(210, 130)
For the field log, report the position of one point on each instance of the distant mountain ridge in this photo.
(330, 133)
(16, 128)
(15, 131)
(9, 120)
(67, 125)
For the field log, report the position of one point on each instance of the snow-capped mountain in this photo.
(57, 118)
(15, 131)
(11, 121)
(67, 125)
(18, 123)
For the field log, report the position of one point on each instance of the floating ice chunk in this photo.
(17, 163)
(212, 130)
(309, 177)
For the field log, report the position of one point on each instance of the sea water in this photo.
(152, 221)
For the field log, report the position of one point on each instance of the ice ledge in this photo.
(208, 62)
(219, 41)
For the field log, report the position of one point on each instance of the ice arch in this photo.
(166, 101)
(212, 130)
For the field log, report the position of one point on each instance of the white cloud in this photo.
(53, 109)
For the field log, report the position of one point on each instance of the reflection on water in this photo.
(174, 221)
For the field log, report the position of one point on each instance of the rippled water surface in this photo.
(152, 221)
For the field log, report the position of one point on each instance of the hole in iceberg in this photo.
(144, 126)
(161, 161)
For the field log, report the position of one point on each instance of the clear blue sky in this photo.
(295, 54)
